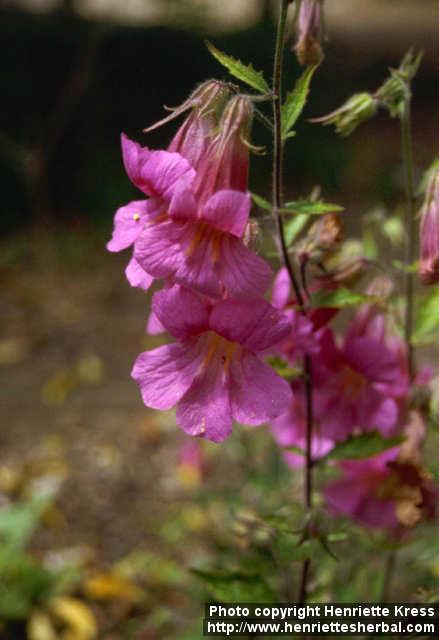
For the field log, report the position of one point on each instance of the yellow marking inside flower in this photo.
(216, 246)
(136, 217)
(208, 234)
(199, 234)
(352, 382)
(221, 347)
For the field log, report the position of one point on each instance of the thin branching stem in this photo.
(300, 297)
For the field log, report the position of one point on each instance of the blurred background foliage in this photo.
(101, 514)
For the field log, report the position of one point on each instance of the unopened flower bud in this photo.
(322, 239)
(395, 91)
(205, 104)
(429, 232)
(358, 109)
(225, 164)
(309, 31)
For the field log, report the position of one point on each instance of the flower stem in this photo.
(278, 148)
(410, 220)
(389, 571)
(300, 296)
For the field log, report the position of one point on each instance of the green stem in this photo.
(277, 205)
(410, 227)
(389, 571)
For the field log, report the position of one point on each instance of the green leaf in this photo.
(342, 297)
(235, 586)
(295, 101)
(239, 70)
(310, 208)
(294, 226)
(427, 317)
(362, 446)
(298, 207)
(283, 369)
(261, 202)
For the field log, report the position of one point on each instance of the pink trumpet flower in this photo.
(199, 243)
(156, 173)
(213, 372)
(201, 247)
(356, 386)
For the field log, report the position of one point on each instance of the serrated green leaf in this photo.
(427, 317)
(342, 297)
(295, 101)
(239, 70)
(362, 446)
(293, 227)
(310, 208)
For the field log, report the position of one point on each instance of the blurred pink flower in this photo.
(361, 491)
(302, 338)
(289, 430)
(387, 491)
(429, 232)
(213, 374)
(356, 386)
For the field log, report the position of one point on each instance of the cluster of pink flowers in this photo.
(191, 233)
(360, 384)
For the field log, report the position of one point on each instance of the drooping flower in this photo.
(355, 386)
(309, 33)
(157, 174)
(213, 372)
(199, 244)
(357, 109)
(429, 232)
(289, 430)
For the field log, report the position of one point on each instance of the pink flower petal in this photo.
(257, 393)
(205, 408)
(243, 273)
(228, 210)
(137, 277)
(128, 224)
(163, 171)
(253, 323)
(281, 289)
(199, 268)
(183, 204)
(154, 326)
(372, 359)
(134, 156)
(158, 248)
(182, 312)
(166, 373)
